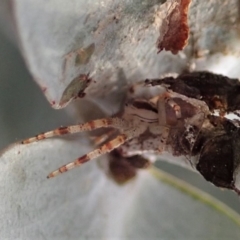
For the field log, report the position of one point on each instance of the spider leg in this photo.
(108, 147)
(98, 140)
(95, 124)
(175, 107)
(201, 105)
(164, 118)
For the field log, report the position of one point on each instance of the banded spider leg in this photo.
(127, 130)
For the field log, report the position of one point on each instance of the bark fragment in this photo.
(174, 30)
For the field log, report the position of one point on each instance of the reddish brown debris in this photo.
(174, 30)
(122, 169)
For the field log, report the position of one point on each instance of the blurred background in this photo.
(24, 112)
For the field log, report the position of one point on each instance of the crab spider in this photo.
(149, 120)
(184, 116)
